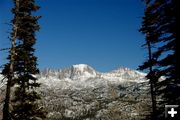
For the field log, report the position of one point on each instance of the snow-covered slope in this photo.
(82, 93)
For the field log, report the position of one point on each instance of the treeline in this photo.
(160, 26)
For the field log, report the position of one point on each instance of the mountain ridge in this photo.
(85, 71)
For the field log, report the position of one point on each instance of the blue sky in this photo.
(101, 33)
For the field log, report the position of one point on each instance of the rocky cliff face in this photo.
(80, 92)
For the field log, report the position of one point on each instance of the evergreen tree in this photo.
(160, 25)
(25, 102)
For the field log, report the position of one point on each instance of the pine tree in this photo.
(161, 27)
(25, 102)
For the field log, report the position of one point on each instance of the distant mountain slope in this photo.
(80, 92)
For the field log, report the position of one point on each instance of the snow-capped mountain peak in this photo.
(124, 74)
(78, 71)
(81, 67)
(82, 71)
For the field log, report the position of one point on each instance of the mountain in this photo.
(83, 71)
(79, 92)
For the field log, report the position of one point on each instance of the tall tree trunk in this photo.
(152, 84)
